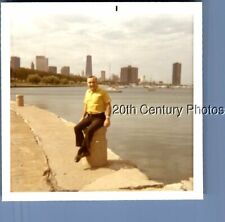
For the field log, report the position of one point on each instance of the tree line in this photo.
(31, 76)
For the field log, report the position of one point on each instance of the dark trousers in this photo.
(90, 124)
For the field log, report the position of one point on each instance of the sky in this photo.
(150, 36)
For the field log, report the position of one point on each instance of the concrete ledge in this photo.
(123, 179)
(98, 149)
(56, 139)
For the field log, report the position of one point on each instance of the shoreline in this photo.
(40, 86)
(57, 127)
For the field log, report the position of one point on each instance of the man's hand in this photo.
(107, 122)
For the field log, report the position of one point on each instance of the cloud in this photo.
(150, 42)
(160, 25)
(114, 35)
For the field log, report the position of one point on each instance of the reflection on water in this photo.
(160, 145)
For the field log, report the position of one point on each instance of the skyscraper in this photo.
(89, 65)
(115, 78)
(15, 62)
(32, 66)
(176, 74)
(42, 63)
(65, 70)
(52, 69)
(129, 75)
(102, 75)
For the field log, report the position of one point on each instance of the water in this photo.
(160, 145)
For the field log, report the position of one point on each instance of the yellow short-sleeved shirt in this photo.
(96, 101)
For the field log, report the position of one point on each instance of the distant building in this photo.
(102, 75)
(89, 65)
(143, 79)
(42, 63)
(32, 66)
(52, 69)
(129, 75)
(15, 62)
(176, 78)
(65, 70)
(115, 78)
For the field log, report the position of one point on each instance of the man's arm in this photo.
(84, 111)
(107, 114)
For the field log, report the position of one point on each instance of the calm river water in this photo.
(160, 145)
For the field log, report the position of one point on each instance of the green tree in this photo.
(71, 82)
(34, 78)
(50, 80)
(64, 81)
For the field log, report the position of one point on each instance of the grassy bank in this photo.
(15, 85)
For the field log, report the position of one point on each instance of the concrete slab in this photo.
(28, 163)
(56, 137)
(53, 138)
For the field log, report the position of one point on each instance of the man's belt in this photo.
(96, 114)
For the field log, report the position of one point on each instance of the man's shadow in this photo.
(115, 165)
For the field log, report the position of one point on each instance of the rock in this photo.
(173, 187)
(187, 184)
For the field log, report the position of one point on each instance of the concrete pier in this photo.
(46, 161)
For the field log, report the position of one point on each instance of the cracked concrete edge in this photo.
(48, 172)
(142, 187)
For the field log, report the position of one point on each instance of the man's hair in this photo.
(92, 77)
(89, 77)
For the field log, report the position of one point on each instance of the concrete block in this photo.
(98, 149)
(19, 100)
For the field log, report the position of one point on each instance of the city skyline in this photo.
(122, 77)
(150, 41)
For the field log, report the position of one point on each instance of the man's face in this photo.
(92, 84)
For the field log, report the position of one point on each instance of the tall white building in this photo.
(42, 63)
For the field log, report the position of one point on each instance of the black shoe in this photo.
(78, 157)
(81, 155)
(86, 153)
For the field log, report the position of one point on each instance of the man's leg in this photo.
(78, 129)
(95, 124)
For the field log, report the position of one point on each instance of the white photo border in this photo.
(197, 193)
